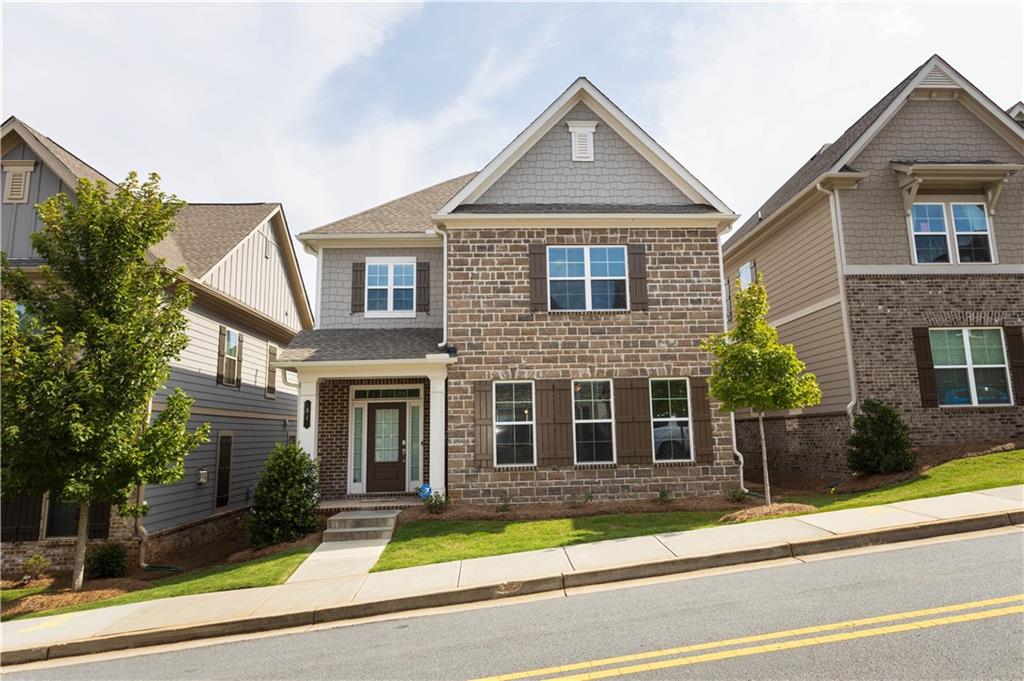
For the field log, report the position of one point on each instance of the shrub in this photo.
(436, 502)
(737, 495)
(286, 497)
(106, 560)
(36, 566)
(880, 442)
(664, 496)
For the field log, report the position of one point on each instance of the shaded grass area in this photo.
(436, 541)
(264, 571)
(11, 595)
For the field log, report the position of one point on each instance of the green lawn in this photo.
(436, 541)
(265, 571)
(11, 595)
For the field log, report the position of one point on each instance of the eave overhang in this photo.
(312, 242)
(719, 221)
(954, 177)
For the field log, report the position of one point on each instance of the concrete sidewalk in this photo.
(334, 583)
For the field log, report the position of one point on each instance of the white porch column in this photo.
(306, 437)
(437, 435)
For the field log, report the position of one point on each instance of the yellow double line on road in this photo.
(811, 637)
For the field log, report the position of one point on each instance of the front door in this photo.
(385, 447)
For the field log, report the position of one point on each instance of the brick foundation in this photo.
(163, 546)
(61, 552)
(809, 445)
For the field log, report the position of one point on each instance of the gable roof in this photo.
(409, 214)
(1016, 112)
(833, 158)
(66, 165)
(583, 90)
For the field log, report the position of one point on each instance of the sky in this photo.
(334, 108)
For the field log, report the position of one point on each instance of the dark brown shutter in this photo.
(700, 415)
(538, 277)
(1015, 355)
(19, 517)
(271, 371)
(358, 286)
(225, 443)
(637, 277)
(554, 423)
(99, 520)
(633, 421)
(483, 420)
(220, 354)
(925, 367)
(238, 362)
(423, 287)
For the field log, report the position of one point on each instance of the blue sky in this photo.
(333, 108)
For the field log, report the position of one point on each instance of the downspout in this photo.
(837, 239)
(725, 326)
(444, 288)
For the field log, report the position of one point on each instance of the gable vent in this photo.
(17, 175)
(937, 78)
(581, 134)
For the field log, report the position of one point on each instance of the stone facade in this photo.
(808, 445)
(333, 430)
(884, 309)
(498, 337)
(61, 551)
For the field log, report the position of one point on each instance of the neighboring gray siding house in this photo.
(250, 301)
(894, 262)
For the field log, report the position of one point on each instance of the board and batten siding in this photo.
(20, 220)
(265, 421)
(261, 282)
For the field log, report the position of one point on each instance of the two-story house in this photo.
(894, 261)
(526, 333)
(249, 302)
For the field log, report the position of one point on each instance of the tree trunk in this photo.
(78, 573)
(764, 460)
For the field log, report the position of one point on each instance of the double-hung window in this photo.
(230, 352)
(747, 274)
(513, 424)
(390, 287)
(670, 419)
(969, 241)
(592, 415)
(582, 278)
(970, 366)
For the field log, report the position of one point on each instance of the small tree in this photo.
(93, 345)
(286, 497)
(753, 370)
(880, 442)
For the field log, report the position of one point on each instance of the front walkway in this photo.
(336, 574)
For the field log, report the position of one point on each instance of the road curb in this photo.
(510, 589)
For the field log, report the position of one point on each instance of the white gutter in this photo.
(725, 325)
(444, 283)
(837, 239)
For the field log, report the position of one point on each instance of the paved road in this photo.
(983, 640)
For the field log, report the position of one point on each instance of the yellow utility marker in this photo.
(786, 645)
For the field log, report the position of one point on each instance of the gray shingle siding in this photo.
(547, 174)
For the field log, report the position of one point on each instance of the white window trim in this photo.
(572, 397)
(587, 277)
(364, 403)
(751, 267)
(532, 423)
(22, 169)
(970, 366)
(224, 350)
(390, 312)
(947, 204)
(586, 130)
(689, 418)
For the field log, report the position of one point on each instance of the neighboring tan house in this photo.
(527, 333)
(894, 262)
(249, 302)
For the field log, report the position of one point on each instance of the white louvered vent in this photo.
(17, 175)
(581, 135)
(937, 78)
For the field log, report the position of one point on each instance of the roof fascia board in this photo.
(318, 241)
(720, 221)
(225, 303)
(803, 197)
(45, 155)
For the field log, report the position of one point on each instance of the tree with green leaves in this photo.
(753, 370)
(85, 349)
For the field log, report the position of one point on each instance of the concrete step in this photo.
(356, 533)
(350, 519)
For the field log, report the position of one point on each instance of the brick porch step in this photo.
(354, 525)
(368, 503)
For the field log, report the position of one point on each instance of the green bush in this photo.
(36, 566)
(106, 560)
(286, 497)
(880, 442)
(436, 502)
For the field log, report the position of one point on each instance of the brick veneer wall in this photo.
(61, 552)
(333, 430)
(884, 309)
(164, 546)
(808, 445)
(498, 337)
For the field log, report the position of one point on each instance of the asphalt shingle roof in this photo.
(206, 232)
(339, 345)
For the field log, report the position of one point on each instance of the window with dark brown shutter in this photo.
(271, 391)
(637, 277)
(483, 423)
(358, 286)
(20, 517)
(99, 520)
(925, 367)
(632, 421)
(423, 287)
(238, 377)
(1015, 356)
(538, 277)
(220, 353)
(225, 445)
(700, 416)
(554, 423)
